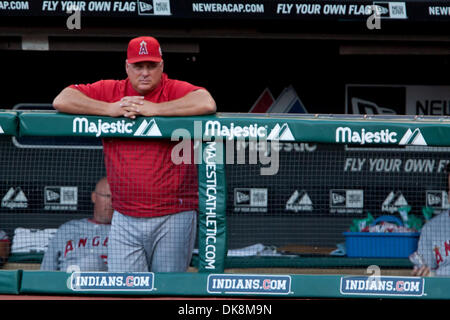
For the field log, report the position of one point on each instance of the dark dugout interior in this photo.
(236, 71)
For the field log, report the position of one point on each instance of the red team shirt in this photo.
(143, 179)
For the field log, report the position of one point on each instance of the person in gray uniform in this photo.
(82, 245)
(434, 247)
(433, 254)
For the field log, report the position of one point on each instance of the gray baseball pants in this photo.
(157, 244)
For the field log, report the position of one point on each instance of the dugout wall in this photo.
(226, 223)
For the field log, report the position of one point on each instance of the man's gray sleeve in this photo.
(52, 254)
(425, 246)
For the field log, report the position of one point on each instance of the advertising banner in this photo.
(430, 100)
(321, 10)
(212, 242)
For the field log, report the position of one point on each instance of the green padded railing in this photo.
(211, 131)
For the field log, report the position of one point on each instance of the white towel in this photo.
(31, 240)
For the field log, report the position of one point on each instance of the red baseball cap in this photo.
(144, 49)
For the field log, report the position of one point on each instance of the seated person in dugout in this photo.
(433, 253)
(81, 245)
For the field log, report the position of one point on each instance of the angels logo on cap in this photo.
(144, 49)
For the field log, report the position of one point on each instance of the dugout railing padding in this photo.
(211, 131)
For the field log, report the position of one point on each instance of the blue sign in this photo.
(379, 285)
(111, 281)
(246, 284)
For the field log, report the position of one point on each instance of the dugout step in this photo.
(28, 257)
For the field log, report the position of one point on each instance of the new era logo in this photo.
(242, 197)
(148, 129)
(346, 201)
(145, 8)
(392, 10)
(61, 195)
(154, 7)
(51, 196)
(437, 199)
(253, 197)
(361, 106)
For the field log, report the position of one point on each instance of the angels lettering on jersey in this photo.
(86, 243)
(441, 252)
(82, 243)
(434, 244)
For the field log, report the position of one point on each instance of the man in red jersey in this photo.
(155, 201)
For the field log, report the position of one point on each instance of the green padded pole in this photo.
(212, 237)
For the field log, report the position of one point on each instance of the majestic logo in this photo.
(282, 133)
(143, 48)
(83, 125)
(245, 284)
(145, 129)
(215, 128)
(413, 137)
(15, 198)
(148, 129)
(347, 135)
(393, 202)
(299, 201)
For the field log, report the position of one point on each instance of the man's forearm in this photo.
(73, 101)
(198, 102)
(195, 103)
